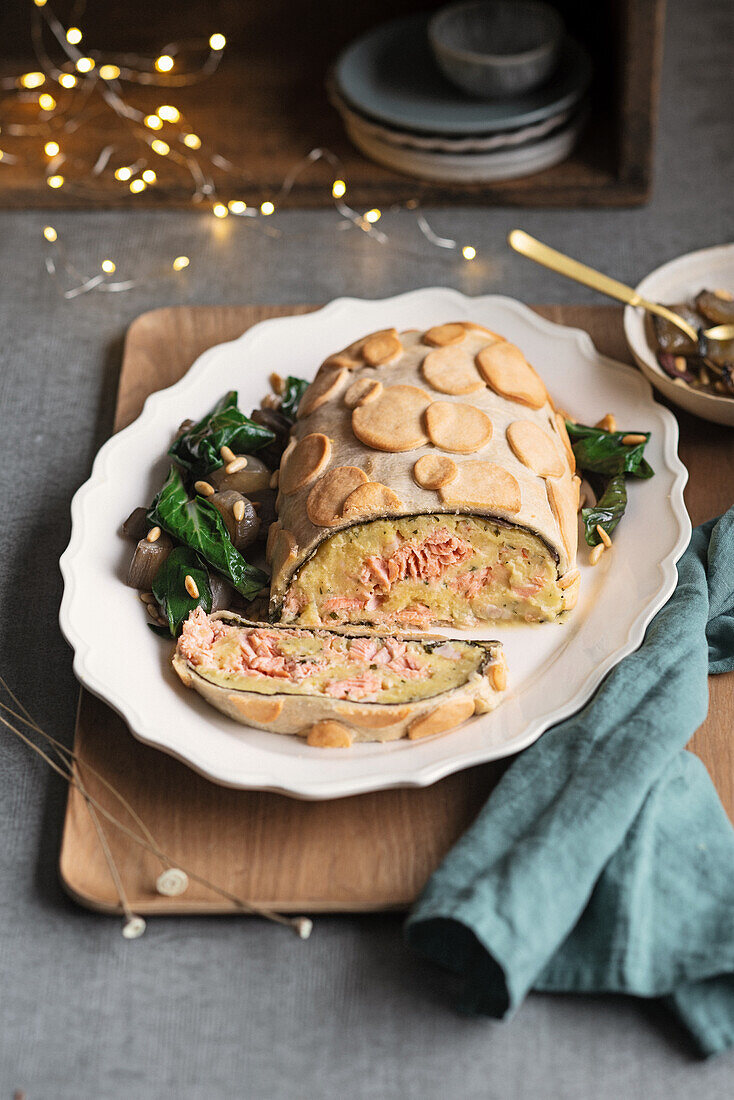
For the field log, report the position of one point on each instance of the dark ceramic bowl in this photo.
(494, 49)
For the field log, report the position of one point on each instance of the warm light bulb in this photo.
(50, 233)
(67, 80)
(123, 173)
(193, 141)
(108, 267)
(168, 113)
(266, 208)
(46, 102)
(164, 63)
(40, 3)
(162, 148)
(149, 175)
(55, 182)
(153, 122)
(137, 186)
(51, 148)
(85, 64)
(219, 210)
(217, 41)
(109, 72)
(180, 263)
(2, 154)
(373, 216)
(468, 252)
(338, 188)
(32, 80)
(237, 206)
(74, 35)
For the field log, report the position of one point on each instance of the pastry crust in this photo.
(498, 451)
(320, 719)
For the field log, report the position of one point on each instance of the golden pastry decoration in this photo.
(328, 496)
(535, 448)
(394, 420)
(362, 391)
(432, 471)
(372, 499)
(506, 370)
(308, 459)
(329, 735)
(382, 349)
(563, 496)
(458, 428)
(441, 336)
(324, 387)
(445, 717)
(261, 709)
(563, 433)
(451, 370)
(483, 485)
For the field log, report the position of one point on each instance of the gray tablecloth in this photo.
(228, 1007)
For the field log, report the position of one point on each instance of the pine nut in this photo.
(603, 535)
(270, 401)
(235, 465)
(596, 553)
(152, 611)
(277, 382)
(607, 423)
(239, 510)
(147, 597)
(724, 295)
(204, 488)
(190, 586)
(227, 454)
(153, 535)
(679, 362)
(632, 439)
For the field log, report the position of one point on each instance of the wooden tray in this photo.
(370, 852)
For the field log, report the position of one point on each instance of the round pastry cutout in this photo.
(507, 372)
(328, 496)
(309, 458)
(535, 448)
(451, 370)
(461, 429)
(433, 471)
(394, 420)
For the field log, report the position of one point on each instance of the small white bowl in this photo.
(680, 280)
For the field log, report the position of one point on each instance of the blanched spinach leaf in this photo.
(198, 525)
(603, 452)
(169, 586)
(292, 394)
(608, 510)
(225, 426)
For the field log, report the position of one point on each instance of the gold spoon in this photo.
(526, 245)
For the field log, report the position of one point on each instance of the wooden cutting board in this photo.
(369, 852)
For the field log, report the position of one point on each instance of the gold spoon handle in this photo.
(535, 250)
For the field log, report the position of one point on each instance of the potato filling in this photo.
(301, 662)
(416, 570)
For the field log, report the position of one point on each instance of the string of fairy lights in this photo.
(67, 91)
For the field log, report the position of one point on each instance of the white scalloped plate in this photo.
(553, 668)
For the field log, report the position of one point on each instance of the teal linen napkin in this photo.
(603, 860)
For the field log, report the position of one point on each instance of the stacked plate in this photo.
(401, 112)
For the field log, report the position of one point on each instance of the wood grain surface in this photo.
(369, 852)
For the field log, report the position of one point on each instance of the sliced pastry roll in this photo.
(335, 688)
(428, 479)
